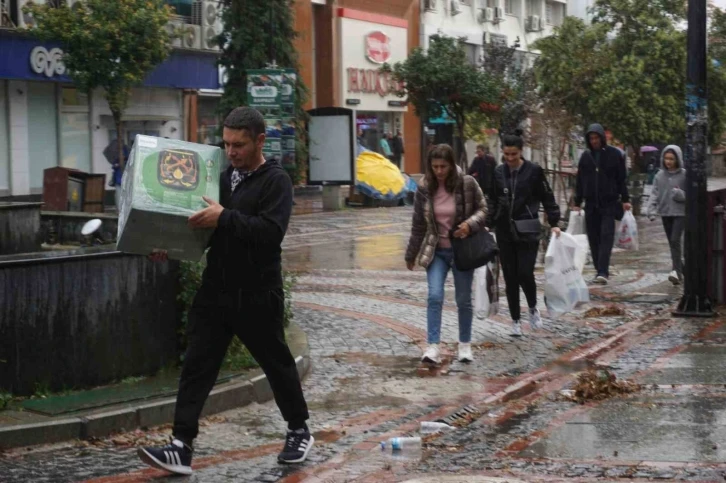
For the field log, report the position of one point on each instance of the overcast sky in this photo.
(720, 3)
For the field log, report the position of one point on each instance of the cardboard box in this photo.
(162, 186)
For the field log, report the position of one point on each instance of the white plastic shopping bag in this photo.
(486, 290)
(627, 235)
(576, 224)
(583, 250)
(564, 286)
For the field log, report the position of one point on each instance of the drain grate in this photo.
(461, 417)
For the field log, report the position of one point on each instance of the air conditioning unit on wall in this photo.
(207, 14)
(184, 35)
(485, 15)
(533, 24)
(498, 15)
(429, 5)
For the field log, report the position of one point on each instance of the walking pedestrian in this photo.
(482, 168)
(518, 190)
(397, 149)
(447, 204)
(668, 199)
(241, 294)
(386, 147)
(601, 184)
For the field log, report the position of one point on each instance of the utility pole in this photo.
(695, 301)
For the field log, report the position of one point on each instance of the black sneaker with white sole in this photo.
(175, 457)
(297, 446)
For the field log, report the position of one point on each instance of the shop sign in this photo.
(371, 81)
(47, 62)
(397, 103)
(352, 102)
(378, 47)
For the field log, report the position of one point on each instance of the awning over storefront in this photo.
(26, 58)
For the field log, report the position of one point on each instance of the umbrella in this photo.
(648, 149)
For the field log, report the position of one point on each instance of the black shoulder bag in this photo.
(523, 230)
(473, 251)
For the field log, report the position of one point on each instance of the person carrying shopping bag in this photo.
(519, 188)
(447, 203)
(668, 199)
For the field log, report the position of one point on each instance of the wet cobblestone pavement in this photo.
(365, 316)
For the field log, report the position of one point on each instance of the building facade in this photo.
(341, 45)
(46, 122)
(480, 22)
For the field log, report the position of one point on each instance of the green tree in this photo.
(627, 71)
(441, 80)
(255, 34)
(111, 45)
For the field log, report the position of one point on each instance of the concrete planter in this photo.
(84, 317)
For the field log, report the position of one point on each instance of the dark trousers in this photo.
(257, 319)
(601, 236)
(518, 261)
(674, 226)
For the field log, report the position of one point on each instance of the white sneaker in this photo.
(674, 278)
(516, 329)
(465, 354)
(432, 354)
(535, 320)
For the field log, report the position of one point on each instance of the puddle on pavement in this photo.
(674, 429)
(571, 367)
(695, 365)
(395, 363)
(380, 252)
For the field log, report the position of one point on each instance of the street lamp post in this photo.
(695, 301)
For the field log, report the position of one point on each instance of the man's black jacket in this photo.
(601, 184)
(482, 169)
(245, 250)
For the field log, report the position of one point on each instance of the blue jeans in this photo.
(436, 274)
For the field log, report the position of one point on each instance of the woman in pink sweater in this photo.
(448, 203)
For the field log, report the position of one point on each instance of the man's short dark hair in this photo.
(482, 147)
(246, 118)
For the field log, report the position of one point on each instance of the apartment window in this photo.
(533, 7)
(465, 2)
(554, 13)
(548, 12)
(509, 7)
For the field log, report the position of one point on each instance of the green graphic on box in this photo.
(272, 92)
(163, 185)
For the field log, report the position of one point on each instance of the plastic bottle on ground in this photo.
(401, 444)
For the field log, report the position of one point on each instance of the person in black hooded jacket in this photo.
(518, 188)
(601, 184)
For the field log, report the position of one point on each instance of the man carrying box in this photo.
(241, 294)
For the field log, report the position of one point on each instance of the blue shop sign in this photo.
(25, 58)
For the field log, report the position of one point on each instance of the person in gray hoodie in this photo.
(668, 199)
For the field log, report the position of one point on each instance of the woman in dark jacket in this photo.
(518, 189)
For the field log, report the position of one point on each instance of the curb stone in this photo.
(230, 395)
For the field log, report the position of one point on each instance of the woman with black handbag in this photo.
(518, 189)
(447, 205)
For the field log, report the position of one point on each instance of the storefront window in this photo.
(42, 130)
(210, 122)
(4, 137)
(75, 133)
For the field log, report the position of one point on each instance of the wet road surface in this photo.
(365, 316)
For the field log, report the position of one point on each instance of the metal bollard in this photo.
(717, 255)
